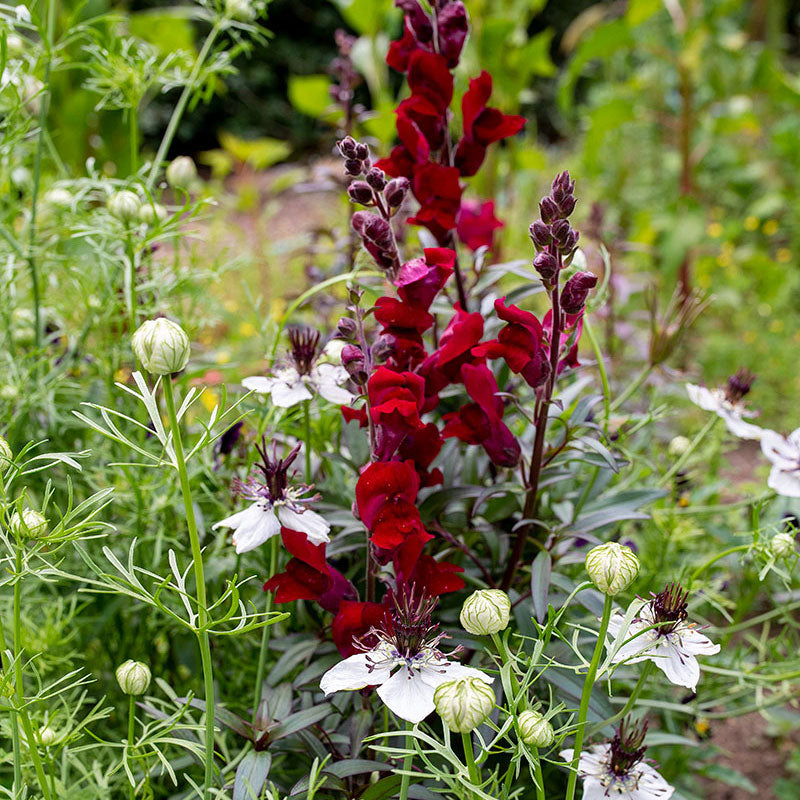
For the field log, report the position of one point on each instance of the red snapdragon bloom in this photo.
(519, 343)
(435, 578)
(477, 223)
(438, 190)
(429, 77)
(396, 399)
(422, 447)
(453, 27)
(481, 422)
(483, 125)
(571, 330)
(404, 325)
(354, 620)
(421, 279)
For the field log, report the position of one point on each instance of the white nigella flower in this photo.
(660, 633)
(784, 453)
(617, 768)
(728, 403)
(274, 504)
(303, 376)
(406, 664)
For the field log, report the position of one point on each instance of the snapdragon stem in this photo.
(586, 694)
(201, 629)
(307, 436)
(131, 733)
(265, 631)
(695, 443)
(469, 755)
(405, 782)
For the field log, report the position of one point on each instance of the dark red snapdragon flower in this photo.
(353, 621)
(421, 279)
(428, 76)
(570, 335)
(476, 223)
(438, 191)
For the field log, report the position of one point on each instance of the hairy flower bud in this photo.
(612, 567)
(5, 451)
(464, 703)
(58, 197)
(360, 192)
(152, 213)
(346, 328)
(133, 677)
(540, 234)
(352, 166)
(353, 362)
(124, 205)
(31, 524)
(46, 735)
(548, 210)
(347, 147)
(678, 445)
(576, 290)
(546, 265)
(396, 191)
(376, 178)
(362, 151)
(534, 729)
(485, 612)
(161, 346)
(376, 235)
(181, 173)
(783, 545)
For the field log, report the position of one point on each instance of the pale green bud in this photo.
(5, 451)
(133, 677)
(8, 392)
(161, 346)
(58, 197)
(679, 445)
(463, 704)
(485, 612)
(240, 9)
(783, 545)
(31, 524)
(181, 173)
(535, 730)
(152, 213)
(15, 45)
(612, 567)
(47, 735)
(124, 205)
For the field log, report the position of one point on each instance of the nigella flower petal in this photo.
(680, 667)
(783, 482)
(702, 397)
(328, 378)
(356, 672)
(651, 785)
(739, 427)
(696, 643)
(409, 696)
(309, 522)
(253, 526)
(286, 394)
(258, 383)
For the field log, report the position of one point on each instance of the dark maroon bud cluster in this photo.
(346, 329)
(356, 156)
(376, 178)
(378, 239)
(361, 192)
(396, 191)
(354, 362)
(576, 290)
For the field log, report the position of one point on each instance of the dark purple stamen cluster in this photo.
(669, 608)
(304, 342)
(627, 747)
(276, 475)
(739, 385)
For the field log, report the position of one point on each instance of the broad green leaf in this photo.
(310, 94)
(251, 775)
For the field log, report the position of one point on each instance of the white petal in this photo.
(650, 786)
(233, 521)
(258, 524)
(794, 440)
(779, 450)
(258, 383)
(309, 522)
(739, 427)
(286, 395)
(408, 695)
(330, 373)
(327, 378)
(703, 397)
(692, 641)
(637, 640)
(680, 667)
(784, 483)
(356, 672)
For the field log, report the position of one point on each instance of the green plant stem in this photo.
(18, 683)
(505, 656)
(632, 388)
(586, 694)
(130, 280)
(695, 443)
(537, 771)
(15, 743)
(265, 631)
(713, 560)
(307, 437)
(133, 135)
(601, 368)
(131, 732)
(405, 781)
(177, 112)
(201, 629)
(469, 755)
(637, 690)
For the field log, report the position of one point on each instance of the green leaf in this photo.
(309, 94)
(365, 16)
(258, 153)
(300, 720)
(251, 775)
(540, 584)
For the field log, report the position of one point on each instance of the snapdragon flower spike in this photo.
(660, 632)
(403, 659)
(784, 454)
(303, 376)
(727, 402)
(274, 503)
(618, 769)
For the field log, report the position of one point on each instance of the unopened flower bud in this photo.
(5, 451)
(783, 545)
(241, 10)
(133, 677)
(540, 234)
(181, 173)
(31, 524)
(352, 166)
(47, 735)
(362, 151)
(561, 232)
(152, 213)
(353, 362)
(360, 192)
(535, 730)
(15, 45)
(161, 346)
(347, 147)
(124, 205)
(567, 205)
(463, 704)
(396, 191)
(346, 328)
(485, 612)
(376, 178)
(548, 210)
(678, 445)
(576, 290)
(612, 567)
(546, 264)
(382, 350)
(58, 197)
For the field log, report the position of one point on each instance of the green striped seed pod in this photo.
(612, 567)
(463, 704)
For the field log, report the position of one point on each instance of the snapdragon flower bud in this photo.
(376, 178)
(463, 704)
(161, 346)
(783, 545)
(396, 191)
(124, 205)
(576, 290)
(133, 677)
(31, 524)
(181, 173)
(152, 213)
(353, 361)
(612, 567)
(546, 265)
(540, 234)
(360, 192)
(535, 730)
(47, 735)
(485, 612)
(5, 451)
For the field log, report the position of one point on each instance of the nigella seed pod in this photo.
(376, 178)
(181, 173)
(782, 545)
(352, 166)
(353, 362)
(534, 729)
(612, 567)
(161, 346)
(576, 290)
(464, 703)
(360, 192)
(485, 612)
(30, 525)
(540, 234)
(396, 191)
(347, 147)
(546, 265)
(124, 205)
(133, 677)
(548, 210)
